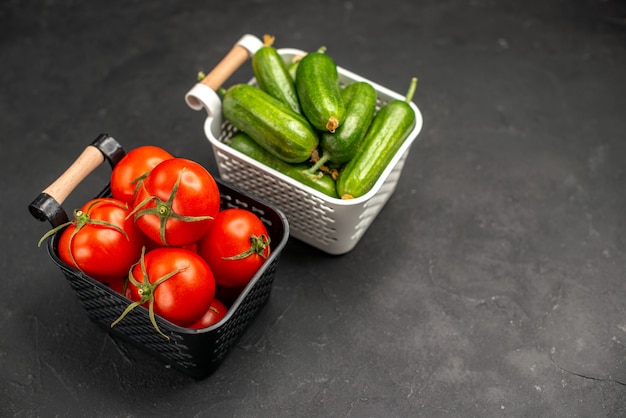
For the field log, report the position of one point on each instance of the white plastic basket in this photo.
(330, 224)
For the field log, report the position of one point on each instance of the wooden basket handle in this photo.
(202, 94)
(47, 206)
(239, 54)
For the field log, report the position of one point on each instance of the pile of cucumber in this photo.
(299, 121)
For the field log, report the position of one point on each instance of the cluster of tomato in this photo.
(163, 241)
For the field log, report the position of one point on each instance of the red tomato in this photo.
(228, 295)
(176, 202)
(118, 285)
(102, 241)
(151, 245)
(235, 247)
(213, 315)
(135, 165)
(179, 287)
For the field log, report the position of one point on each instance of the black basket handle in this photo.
(47, 206)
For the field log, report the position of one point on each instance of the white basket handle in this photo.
(203, 94)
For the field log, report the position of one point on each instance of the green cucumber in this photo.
(292, 67)
(246, 145)
(317, 86)
(272, 75)
(360, 102)
(390, 127)
(274, 126)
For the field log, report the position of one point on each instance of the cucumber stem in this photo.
(315, 167)
(268, 40)
(411, 92)
(332, 124)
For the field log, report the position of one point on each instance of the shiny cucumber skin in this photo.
(246, 145)
(317, 86)
(273, 77)
(292, 68)
(360, 103)
(274, 126)
(390, 127)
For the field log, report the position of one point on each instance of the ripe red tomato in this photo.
(135, 165)
(235, 247)
(179, 286)
(102, 241)
(151, 245)
(176, 202)
(228, 295)
(118, 285)
(213, 315)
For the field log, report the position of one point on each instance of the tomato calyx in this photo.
(138, 182)
(258, 245)
(163, 210)
(146, 290)
(82, 218)
(54, 231)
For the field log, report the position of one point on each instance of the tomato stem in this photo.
(138, 182)
(163, 210)
(53, 231)
(82, 218)
(146, 290)
(258, 244)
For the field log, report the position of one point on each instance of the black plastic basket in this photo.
(197, 352)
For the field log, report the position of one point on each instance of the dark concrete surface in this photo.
(493, 284)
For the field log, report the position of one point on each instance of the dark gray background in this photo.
(492, 284)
